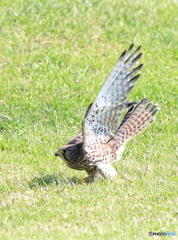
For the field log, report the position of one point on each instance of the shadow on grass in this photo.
(50, 179)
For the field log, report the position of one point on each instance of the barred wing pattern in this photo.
(136, 120)
(101, 117)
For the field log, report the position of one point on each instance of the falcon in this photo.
(102, 139)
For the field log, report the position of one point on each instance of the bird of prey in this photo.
(102, 139)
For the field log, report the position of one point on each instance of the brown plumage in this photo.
(102, 140)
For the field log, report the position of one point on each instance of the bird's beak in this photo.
(58, 153)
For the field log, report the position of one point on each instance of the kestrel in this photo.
(102, 139)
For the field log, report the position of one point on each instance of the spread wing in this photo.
(102, 115)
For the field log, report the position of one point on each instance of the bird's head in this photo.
(68, 152)
(63, 152)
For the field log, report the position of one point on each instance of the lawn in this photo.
(55, 55)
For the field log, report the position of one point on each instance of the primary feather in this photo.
(102, 116)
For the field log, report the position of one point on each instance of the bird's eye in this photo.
(64, 151)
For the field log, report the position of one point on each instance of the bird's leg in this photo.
(106, 170)
(93, 175)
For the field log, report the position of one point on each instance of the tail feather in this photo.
(136, 120)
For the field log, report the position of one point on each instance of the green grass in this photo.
(55, 56)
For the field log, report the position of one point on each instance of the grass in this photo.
(55, 56)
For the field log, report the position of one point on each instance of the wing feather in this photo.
(101, 117)
(75, 140)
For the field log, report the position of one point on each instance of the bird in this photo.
(102, 139)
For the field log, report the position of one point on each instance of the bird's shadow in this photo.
(45, 180)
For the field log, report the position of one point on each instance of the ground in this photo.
(55, 56)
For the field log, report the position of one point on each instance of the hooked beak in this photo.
(58, 153)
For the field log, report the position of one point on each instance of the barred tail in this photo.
(135, 120)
